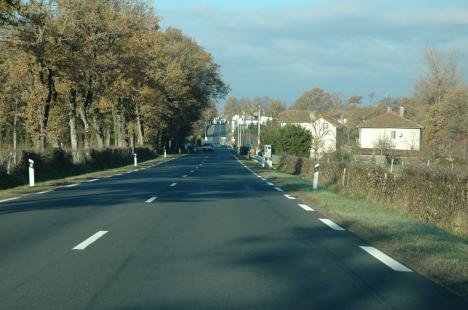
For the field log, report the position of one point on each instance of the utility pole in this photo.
(259, 119)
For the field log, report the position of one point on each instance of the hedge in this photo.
(57, 164)
(434, 194)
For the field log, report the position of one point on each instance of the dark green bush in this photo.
(57, 163)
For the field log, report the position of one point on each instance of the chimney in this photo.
(389, 109)
(402, 111)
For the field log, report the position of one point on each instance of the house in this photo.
(324, 129)
(247, 121)
(391, 129)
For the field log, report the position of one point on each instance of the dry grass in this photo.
(426, 248)
(40, 186)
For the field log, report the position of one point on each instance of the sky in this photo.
(281, 48)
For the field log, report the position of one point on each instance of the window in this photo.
(393, 134)
(325, 128)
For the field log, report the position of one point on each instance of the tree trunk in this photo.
(72, 123)
(107, 136)
(139, 127)
(45, 112)
(84, 111)
(99, 134)
(15, 121)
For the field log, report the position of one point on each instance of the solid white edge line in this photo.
(151, 199)
(278, 189)
(331, 224)
(93, 180)
(44, 192)
(83, 245)
(9, 199)
(384, 258)
(305, 207)
(174, 184)
(289, 196)
(72, 185)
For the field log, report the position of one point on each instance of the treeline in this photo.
(93, 74)
(439, 103)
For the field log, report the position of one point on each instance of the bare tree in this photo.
(441, 75)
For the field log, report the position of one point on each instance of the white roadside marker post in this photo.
(316, 176)
(263, 162)
(165, 154)
(31, 172)
(135, 160)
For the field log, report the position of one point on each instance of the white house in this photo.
(392, 128)
(246, 121)
(324, 129)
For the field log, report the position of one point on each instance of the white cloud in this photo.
(352, 46)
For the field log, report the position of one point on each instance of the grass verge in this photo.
(40, 186)
(425, 248)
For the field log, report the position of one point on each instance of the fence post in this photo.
(31, 172)
(391, 166)
(316, 176)
(135, 160)
(344, 177)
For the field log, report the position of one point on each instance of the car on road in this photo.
(207, 147)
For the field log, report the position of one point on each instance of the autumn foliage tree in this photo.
(92, 74)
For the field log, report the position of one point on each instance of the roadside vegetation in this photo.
(438, 253)
(82, 176)
(92, 79)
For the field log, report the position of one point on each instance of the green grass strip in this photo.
(427, 249)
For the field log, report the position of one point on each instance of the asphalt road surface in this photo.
(199, 232)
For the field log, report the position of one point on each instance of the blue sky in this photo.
(282, 48)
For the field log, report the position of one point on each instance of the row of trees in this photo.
(98, 73)
(439, 103)
(250, 107)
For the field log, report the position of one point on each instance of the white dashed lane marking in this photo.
(331, 224)
(173, 184)
(271, 184)
(278, 189)
(289, 196)
(384, 258)
(83, 245)
(151, 199)
(305, 207)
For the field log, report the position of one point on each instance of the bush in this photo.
(57, 164)
(434, 194)
(290, 139)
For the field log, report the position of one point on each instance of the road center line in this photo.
(184, 176)
(173, 184)
(83, 245)
(192, 171)
(278, 189)
(289, 196)
(305, 207)
(151, 199)
(331, 224)
(384, 258)
(9, 199)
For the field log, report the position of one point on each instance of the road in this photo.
(199, 232)
(215, 132)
